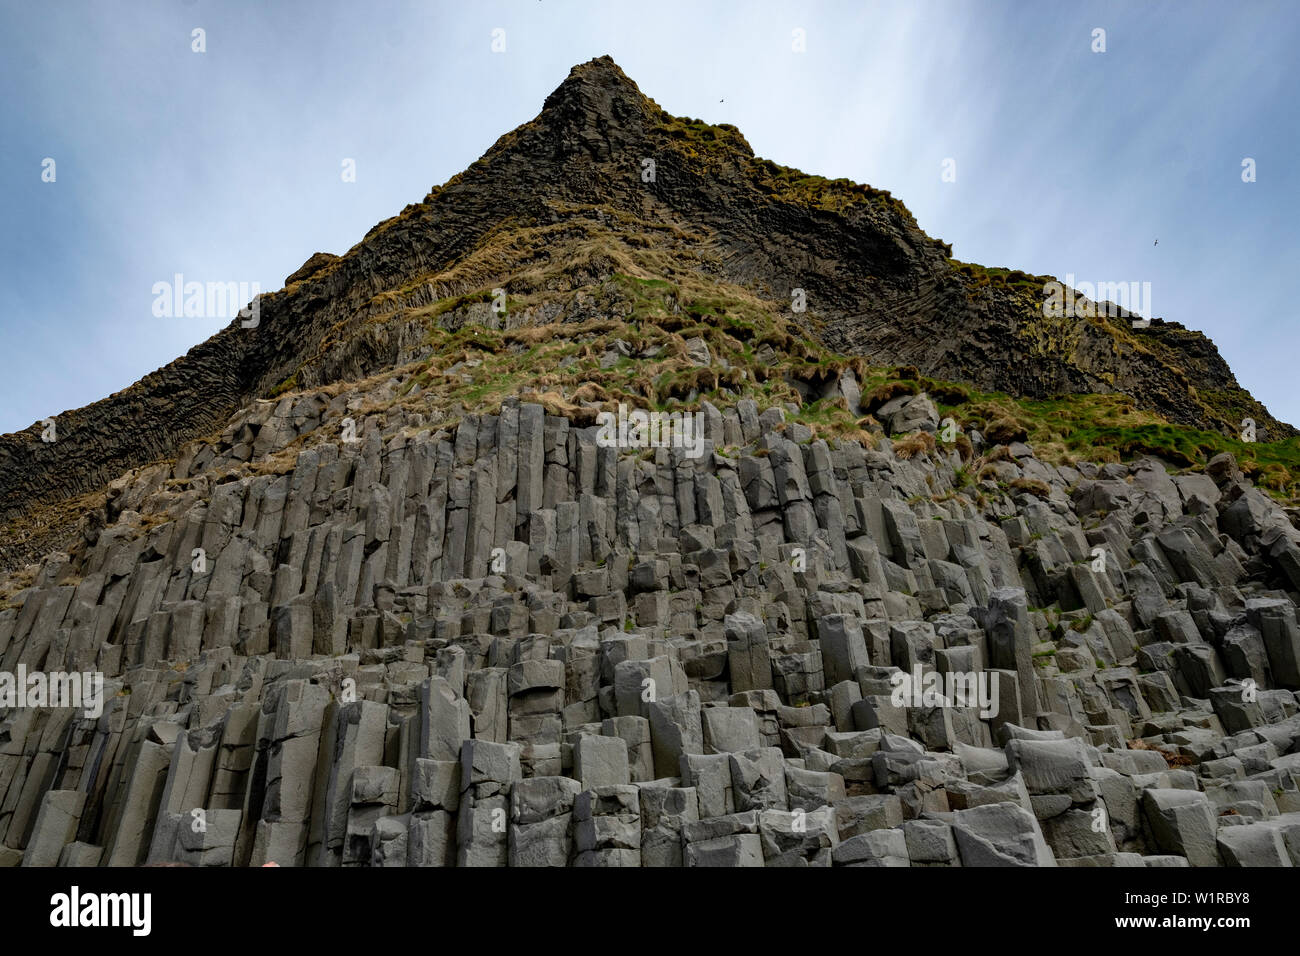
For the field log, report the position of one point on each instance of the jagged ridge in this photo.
(877, 287)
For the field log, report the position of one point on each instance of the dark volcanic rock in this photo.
(878, 285)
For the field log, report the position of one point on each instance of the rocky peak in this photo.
(598, 86)
(377, 574)
(564, 195)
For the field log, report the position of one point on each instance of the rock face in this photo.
(874, 282)
(385, 659)
(348, 625)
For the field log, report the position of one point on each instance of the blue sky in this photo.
(225, 165)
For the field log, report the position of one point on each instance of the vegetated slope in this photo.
(552, 206)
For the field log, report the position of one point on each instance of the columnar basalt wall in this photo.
(509, 644)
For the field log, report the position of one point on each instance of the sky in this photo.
(230, 163)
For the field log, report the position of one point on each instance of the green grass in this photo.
(759, 349)
(288, 385)
(1012, 279)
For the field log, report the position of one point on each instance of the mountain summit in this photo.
(876, 286)
(634, 501)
